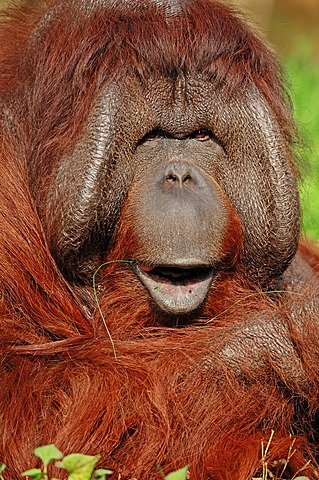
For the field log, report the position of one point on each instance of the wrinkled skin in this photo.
(149, 145)
(176, 129)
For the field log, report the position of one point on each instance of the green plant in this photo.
(180, 474)
(97, 299)
(77, 465)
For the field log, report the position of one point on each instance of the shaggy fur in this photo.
(140, 392)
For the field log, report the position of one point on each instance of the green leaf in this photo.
(302, 478)
(101, 473)
(2, 467)
(34, 474)
(79, 467)
(180, 474)
(48, 453)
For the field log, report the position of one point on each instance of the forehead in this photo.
(186, 102)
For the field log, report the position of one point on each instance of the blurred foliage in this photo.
(303, 70)
(294, 33)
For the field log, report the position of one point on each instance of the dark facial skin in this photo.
(181, 156)
(180, 243)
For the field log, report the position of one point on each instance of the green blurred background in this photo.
(292, 28)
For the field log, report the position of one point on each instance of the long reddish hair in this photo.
(102, 376)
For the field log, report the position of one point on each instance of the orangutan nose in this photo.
(179, 175)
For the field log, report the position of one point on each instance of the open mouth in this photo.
(176, 289)
(177, 275)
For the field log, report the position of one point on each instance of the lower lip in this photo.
(175, 298)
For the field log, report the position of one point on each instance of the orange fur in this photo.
(166, 396)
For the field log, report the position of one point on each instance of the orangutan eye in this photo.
(202, 135)
(153, 135)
